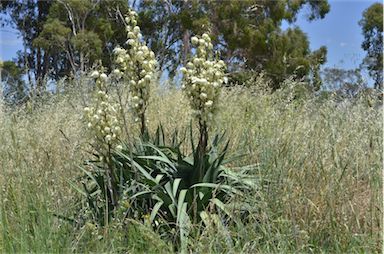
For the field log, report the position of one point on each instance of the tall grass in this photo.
(318, 164)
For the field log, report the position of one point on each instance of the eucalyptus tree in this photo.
(372, 26)
(247, 33)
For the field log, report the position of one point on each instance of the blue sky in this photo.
(339, 31)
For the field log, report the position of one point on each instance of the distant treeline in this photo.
(66, 38)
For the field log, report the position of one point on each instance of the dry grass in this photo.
(318, 163)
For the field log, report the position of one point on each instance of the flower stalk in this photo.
(104, 122)
(136, 65)
(202, 80)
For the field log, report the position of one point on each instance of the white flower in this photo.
(117, 129)
(131, 35)
(95, 74)
(190, 65)
(202, 78)
(209, 103)
(194, 40)
(196, 61)
(147, 77)
(203, 81)
(104, 77)
(136, 29)
(145, 49)
(139, 53)
(119, 60)
(183, 70)
(137, 59)
(117, 50)
(206, 37)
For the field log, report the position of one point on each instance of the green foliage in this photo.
(29, 17)
(346, 83)
(372, 26)
(64, 37)
(247, 33)
(159, 183)
(89, 43)
(13, 89)
(54, 36)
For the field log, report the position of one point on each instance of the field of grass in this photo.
(318, 164)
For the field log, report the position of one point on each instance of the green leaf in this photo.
(89, 175)
(155, 210)
(140, 194)
(77, 188)
(169, 192)
(222, 206)
(158, 178)
(165, 158)
(180, 205)
(176, 184)
(223, 187)
(136, 165)
(158, 158)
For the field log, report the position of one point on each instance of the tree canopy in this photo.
(247, 33)
(372, 26)
(67, 37)
(14, 89)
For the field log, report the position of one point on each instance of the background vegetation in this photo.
(65, 38)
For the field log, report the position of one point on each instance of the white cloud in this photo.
(343, 44)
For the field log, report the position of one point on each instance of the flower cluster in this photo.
(136, 65)
(103, 117)
(202, 79)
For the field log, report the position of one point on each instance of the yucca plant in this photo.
(158, 182)
(166, 188)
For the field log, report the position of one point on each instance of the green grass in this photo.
(318, 164)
